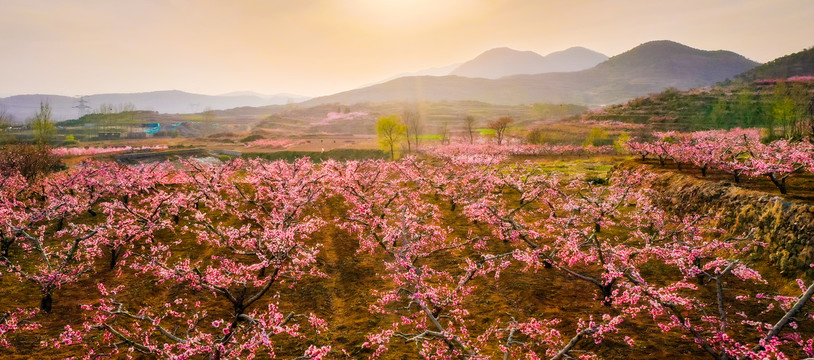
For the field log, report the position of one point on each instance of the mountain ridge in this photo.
(800, 63)
(22, 107)
(647, 68)
(504, 61)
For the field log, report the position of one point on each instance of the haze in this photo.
(321, 47)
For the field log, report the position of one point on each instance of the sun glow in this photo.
(403, 13)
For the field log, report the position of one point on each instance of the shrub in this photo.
(28, 160)
(251, 138)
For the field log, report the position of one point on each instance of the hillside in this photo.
(732, 104)
(500, 62)
(648, 68)
(798, 64)
(22, 107)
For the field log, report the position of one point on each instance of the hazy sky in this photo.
(315, 47)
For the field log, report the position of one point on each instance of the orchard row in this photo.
(738, 152)
(236, 237)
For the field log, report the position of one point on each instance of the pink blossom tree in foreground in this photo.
(222, 250)
(256, 225)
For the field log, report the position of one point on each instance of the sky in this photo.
(320, 47)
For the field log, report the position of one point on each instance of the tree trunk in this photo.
(114, 257)
(45, 302)
(607, 294)
(781, 185)
(5, 245)
(704, 170)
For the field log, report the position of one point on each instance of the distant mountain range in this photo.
(500, 62)
(647, 68)
(800, 63)
(499, 76)
(22, 107)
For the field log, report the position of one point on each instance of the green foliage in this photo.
(69, 140)
(799, 63)
(251, 138)
(789, 110)
(619, 143)
(536, 136)
(431, 137)
(719, 116)
(739, 105)
(390, 131)
(597, 137)
(42, 125)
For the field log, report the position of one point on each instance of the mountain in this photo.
(278, 99)
(434, 71)
(500, 62)
(22, 107)
(798, 64)
(647, 68)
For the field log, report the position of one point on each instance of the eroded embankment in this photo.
(785, 225)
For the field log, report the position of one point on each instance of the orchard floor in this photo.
(800, 185)
(344, 296)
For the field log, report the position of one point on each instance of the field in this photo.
(416, 258)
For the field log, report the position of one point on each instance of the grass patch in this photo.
(430, 137)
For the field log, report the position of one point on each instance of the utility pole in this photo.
(83, 107)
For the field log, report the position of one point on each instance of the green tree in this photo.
(745, 108)
(390, 131)
(5, 122)
(620, 142)
(798, 93)
(782, 110)
(42, 125)
(719, 115)
(597, 136)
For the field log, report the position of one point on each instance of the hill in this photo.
(647, 68)
(22, 107)
(500, 62)
(798, 64)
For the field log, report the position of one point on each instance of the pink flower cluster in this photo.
(613, 124)
(332, 117)
(253, 232)
(738, 152)
(797, 78)
(466, 153)
(79, 151)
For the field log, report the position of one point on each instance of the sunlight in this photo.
(404, 13)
